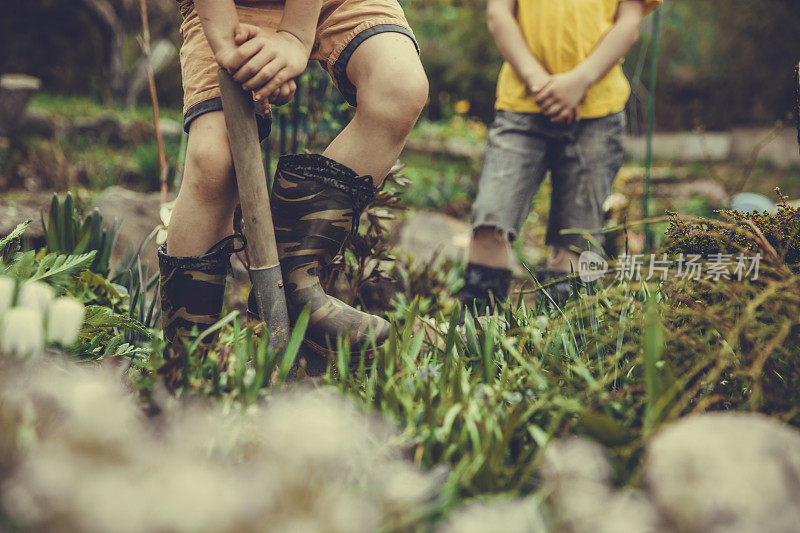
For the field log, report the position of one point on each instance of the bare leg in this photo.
(489, 247)
(204, 208)
(392, 90)
(562, 259)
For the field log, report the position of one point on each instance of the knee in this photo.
(395, 99)
(209, 169)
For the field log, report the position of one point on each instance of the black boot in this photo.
(484, 288)
(192, 292)
(557, 284)
(316, 203)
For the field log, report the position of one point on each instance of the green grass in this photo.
(72, 107)
(435, 181)
(99, 163)
(469, 130)
(616, 363)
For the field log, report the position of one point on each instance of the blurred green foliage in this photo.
(724, 62)
(459, 55)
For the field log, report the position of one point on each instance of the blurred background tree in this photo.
(727, 62)
(90, 47)
(723, 62)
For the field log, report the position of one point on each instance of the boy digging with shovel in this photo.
(369, 50)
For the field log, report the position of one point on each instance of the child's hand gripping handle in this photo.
(262, 252)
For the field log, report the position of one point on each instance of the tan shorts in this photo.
(343, 26)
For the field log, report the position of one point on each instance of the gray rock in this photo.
(680, 192)
(683, 146)
(429, 235)
(777, 146)
(23, 205)
(139, 213)
(726, 473)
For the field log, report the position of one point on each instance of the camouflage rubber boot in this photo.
(484, 288)
(192, 291)
(316, 203)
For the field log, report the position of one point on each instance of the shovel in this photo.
(262, 251)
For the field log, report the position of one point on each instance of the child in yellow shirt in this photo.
(561, 96)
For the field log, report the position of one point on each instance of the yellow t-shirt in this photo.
(561, 34)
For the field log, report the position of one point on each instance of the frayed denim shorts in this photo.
(583, 159)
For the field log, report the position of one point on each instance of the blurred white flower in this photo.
(64, 320)
(21, 332)
(500, 516)
(36, 295)
(249, 377)
(6, 294)
(615, 202)
(307, 461)
(166, 214)
(161, 236)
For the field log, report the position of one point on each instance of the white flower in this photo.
(21, 331)
(6, 294)
(64, 319)
(249, 377)
(166, 214)
(161, 236)
(511, 516)
(36, 295)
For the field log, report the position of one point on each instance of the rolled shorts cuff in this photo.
(264, 122)
(337, 63)
(507, 230)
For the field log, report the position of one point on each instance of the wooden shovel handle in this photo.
(251, 179)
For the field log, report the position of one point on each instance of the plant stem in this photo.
(162, 155)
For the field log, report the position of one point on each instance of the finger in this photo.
(547, 102)
(282, 95)
(243, 32)
(242, 54)
(547, 99)
(564, 116)
(253, 69)
(553, 110)
(292, 88)
(537, 89)
(278, 79)
(262, 86)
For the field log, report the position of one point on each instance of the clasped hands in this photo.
(560, 95)
(265, 62)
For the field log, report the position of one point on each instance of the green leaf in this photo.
(218, 325)
(605, 429)
(57, 269)
(293, 346)
(9, 245)
(99, 318)
(83, 239)
(51, 233)
(101, 286)
(653, 349)
(66, 231)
